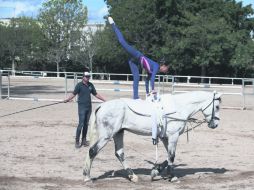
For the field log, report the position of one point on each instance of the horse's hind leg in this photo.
(119, 152)
(93, 151)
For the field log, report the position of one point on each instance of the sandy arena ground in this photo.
(37, 153)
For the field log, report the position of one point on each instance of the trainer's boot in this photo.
(77, 143)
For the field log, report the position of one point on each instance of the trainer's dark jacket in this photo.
(84, 93)
(84, 107)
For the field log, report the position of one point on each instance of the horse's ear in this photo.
(218, 95)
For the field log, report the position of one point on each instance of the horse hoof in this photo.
(133, 178)
(87, 179)
(154, 173)
(174, 179)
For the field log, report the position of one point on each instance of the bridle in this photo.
(196, 121)
(213, 117)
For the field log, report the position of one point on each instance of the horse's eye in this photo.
(217, 107)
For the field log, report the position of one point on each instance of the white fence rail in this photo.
(28, 84)
(227, 86)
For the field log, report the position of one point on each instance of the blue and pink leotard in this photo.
(137, 57)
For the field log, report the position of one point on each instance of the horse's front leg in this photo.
(119, 152)
(158, 168)
(169, 143)
(170, 146)
(172, 142)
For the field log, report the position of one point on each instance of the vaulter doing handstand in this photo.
(150, 66)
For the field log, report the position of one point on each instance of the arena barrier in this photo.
(1, 84)
(45, 86)
(109, 81)
(13, 84)
(225, 85)
(4, 84)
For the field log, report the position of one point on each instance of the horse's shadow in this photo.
(179, 172)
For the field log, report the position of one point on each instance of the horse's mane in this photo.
(195, 96)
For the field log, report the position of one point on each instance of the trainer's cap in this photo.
(86, 74)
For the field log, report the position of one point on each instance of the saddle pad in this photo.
(139, 106)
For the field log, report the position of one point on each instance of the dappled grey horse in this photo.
(112, 118)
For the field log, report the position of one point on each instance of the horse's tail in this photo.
(93, 128)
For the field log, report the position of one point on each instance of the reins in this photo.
(198, 123)
(193, 120)
(31, 109)
(190, 120)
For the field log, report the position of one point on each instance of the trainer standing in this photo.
(84, 89)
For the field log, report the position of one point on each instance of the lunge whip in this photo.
(31, 109)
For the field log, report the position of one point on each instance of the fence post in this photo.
(75, 82)
(65, 76)
(0, 85)
(9, 85)
(159, 84)
(243, 93)
(173, 84)
(253, 85)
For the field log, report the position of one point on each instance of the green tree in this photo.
(62, 23)
(109, 57)
(34, 52)
(215, 30)
(243, 60)
(196, 36)
(19, 39)
(88, 46)
(3, 32)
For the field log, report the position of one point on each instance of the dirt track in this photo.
(37, 152)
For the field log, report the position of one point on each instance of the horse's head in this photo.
(211, 110)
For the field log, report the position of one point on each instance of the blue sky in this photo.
(96, 8)
(13, 8)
